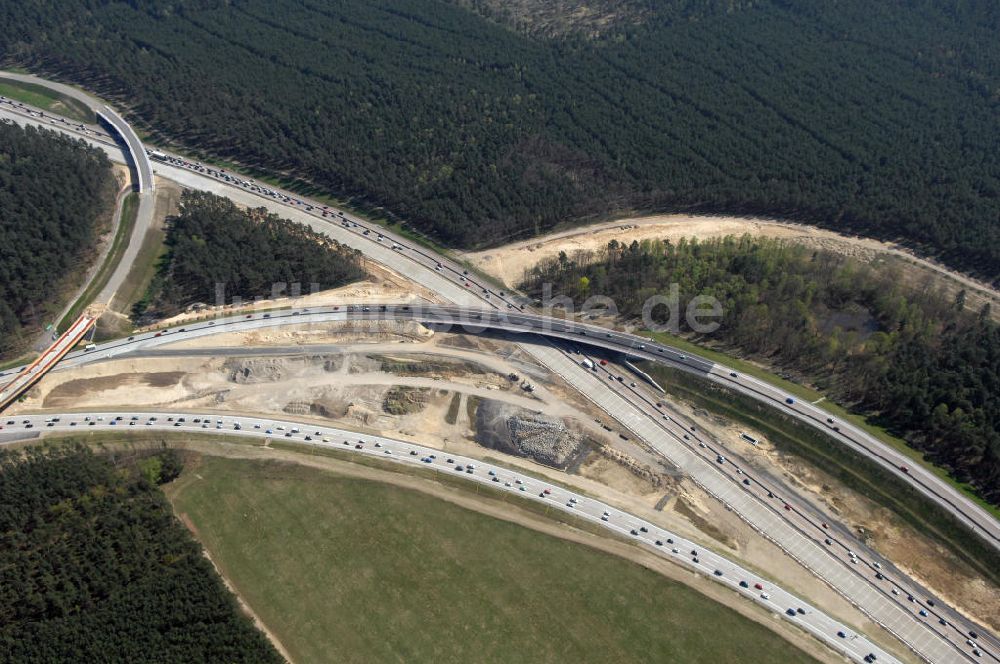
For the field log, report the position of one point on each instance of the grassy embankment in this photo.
(18, 361)
(139, 284)
(130, 208)
(813, 396)
(451, 417)
(46, 99)
(854, 471)
(347, 569)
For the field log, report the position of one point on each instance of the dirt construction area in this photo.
(915, 554)
(461, 393)
(510, 262)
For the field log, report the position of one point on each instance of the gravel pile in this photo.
(516, 431)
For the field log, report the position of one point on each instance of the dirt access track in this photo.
(509, 262)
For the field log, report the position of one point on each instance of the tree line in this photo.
(875, 118)
(212, 243)
(94, 567)
(55, 192)
(924, 366)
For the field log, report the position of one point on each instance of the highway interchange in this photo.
(378, 242)
(652, 537)
(791, 523)
(138, 160)
(793, 528)
(28, 375)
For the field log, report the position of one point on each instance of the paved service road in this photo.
(918, 618)
(651, 537)
(932, 640)
(136, 157)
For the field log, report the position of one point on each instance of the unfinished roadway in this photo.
(451, 283)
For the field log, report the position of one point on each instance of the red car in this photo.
(904, 469)
(758, 586)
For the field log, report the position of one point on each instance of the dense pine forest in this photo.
(212, 242)
(95, 568)
(55, 193)
(481, 121)
(926, 368)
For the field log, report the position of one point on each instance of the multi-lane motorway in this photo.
(925, 635)
(458, 285)
(134, 155)
(813, 538)
(653, 538)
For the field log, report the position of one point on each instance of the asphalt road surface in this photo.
(453, 282)
(651, 537)
(872, 583)
(136, 158)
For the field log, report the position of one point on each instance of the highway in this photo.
(134, 155)
(16, 383)
(458, 285)
(453, 283)
(771, 508)
(772, 597)
(137, 154)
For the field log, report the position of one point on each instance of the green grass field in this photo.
(130, 207)
(44, 98)
(350, 570)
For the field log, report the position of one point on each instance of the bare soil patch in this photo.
(929, 563)
(509, 262)
(67, 394)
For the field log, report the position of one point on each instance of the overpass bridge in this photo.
(30, 374)
(939, 639)
(136, 152)
(477, 320)
(133, 146)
